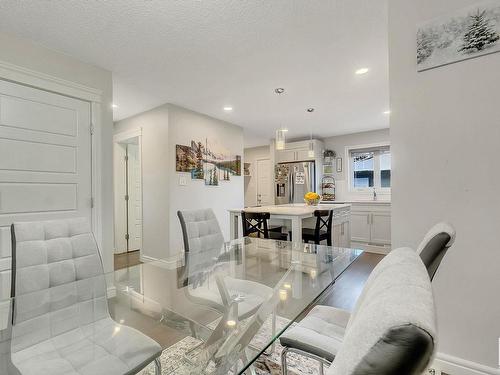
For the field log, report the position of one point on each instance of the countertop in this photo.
(340, 202)
(297, 209)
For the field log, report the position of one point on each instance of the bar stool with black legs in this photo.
(323, 229)
(255, 224)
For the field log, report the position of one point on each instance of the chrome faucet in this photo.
(374, 194)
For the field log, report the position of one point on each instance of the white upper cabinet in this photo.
(299, 151)
(284, 156)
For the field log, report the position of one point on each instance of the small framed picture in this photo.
(327, 169)
(339, 165)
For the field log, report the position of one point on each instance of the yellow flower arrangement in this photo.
(312, 198)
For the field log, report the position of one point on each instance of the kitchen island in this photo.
(296, 213)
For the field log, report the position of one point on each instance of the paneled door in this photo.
(45, 159)
(135, 197)
(263, 182)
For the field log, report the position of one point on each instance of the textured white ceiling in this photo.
(205, 54)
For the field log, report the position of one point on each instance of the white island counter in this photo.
(296, 213)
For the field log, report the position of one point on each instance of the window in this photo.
(370, 168)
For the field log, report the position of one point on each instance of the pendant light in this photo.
(310, 152)
(280, 133)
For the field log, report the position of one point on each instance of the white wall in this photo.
(445, 139)
(162, 129)
(251, 155)
(339, 144)
(155, 178)
(185, 126)
(32, 56)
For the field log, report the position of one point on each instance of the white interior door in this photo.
(120, 190)
(263, 182)
(135, 197)
(45, 161)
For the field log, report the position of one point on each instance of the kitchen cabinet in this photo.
(285, 156)
(380, 229)
(299, 151)
(371, 226)
(342, 228)
(361, 226)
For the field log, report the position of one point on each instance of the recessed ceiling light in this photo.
(362, 71)
(114, 106)
(284, 130)
(228, 109)
(387, 112)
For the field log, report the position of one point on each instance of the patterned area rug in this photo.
(173, 359)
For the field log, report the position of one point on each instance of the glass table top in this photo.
(219, 309)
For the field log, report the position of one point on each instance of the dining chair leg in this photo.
(157, 366)
(273, 328)
(251, 368)
(284, 370)
(271, 349)
(321, 368)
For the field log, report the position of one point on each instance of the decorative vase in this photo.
(312, 202)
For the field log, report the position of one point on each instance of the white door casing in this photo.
(128, 181)
(119, 191)
(263, 182)
(135, 197)
(45, 161)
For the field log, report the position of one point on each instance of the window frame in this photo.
(376, 168)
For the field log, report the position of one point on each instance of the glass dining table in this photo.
(218, 311)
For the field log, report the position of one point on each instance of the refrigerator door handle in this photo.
(289, 179)
(292, 188)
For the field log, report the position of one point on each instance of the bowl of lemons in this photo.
(312, 198)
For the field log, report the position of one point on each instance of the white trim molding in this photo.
(457, 366)
(122, 136)
(96, 173)
(42, 81)
(169, 263)
(47, 82)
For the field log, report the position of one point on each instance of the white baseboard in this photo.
(371, 248)
(457, 366)
(169, 263)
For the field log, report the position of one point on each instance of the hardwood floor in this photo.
(349, 285)
(343, 294)
(125, 260)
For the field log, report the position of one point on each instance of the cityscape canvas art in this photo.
(207, 160)
(467, 33)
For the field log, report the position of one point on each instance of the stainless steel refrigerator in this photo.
(293, 181)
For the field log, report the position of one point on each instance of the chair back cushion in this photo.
(392, 329)
(57, 280)
(200, 230)
(434, 246)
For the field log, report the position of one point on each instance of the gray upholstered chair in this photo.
(392, 329)
(434, 246)
(398, 299)
(320, 334)
(61, 323)
(203, 241)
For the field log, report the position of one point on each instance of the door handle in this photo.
(368, 219)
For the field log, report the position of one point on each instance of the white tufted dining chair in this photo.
(61, 323)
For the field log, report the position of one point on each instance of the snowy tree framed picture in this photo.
(465, 34)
